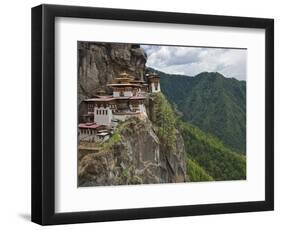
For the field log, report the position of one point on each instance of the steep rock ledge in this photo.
(133, 156)
(130, 156)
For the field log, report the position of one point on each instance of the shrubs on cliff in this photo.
(172, 149)
(165, 121)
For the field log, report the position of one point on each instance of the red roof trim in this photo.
(88, 125)
(105, 99)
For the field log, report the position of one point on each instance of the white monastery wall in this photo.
(116, 94)
(103, 115)
(128, 94)
(153, 88)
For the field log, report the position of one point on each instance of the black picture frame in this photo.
(43, 114)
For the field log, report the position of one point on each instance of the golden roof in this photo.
(122, 78)
(124, 75)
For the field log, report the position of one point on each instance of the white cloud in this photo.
(194, 60)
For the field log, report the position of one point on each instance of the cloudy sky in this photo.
(193, 60)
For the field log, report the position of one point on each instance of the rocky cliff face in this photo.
(133, 156)
(100, 62)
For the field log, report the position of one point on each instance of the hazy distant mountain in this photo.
(212, 102)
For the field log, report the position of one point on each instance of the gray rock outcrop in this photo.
(99, 63)
(135, 157)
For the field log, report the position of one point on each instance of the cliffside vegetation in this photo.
(165, 121)
(172, 149)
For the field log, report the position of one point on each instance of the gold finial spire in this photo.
(101, 92)
(125, 75)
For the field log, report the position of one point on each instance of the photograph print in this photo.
(151, 114)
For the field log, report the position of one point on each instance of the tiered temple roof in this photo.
(124, 80)
(153, 76)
